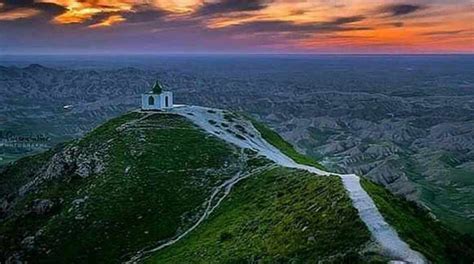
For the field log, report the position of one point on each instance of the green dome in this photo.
(157, 88)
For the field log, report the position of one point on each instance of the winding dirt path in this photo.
(211, 120)
(211, 204)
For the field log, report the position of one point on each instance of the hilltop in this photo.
(201, 185)
(404, 122)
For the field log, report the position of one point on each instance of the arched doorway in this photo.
(151, 100)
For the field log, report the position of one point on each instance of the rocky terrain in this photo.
(405, 122)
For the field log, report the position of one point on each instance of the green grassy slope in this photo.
(286, 148)
(436, 241)
(450, 203)
(278, 216)
(8, 158)
(15, 175)
(449, 194)
(414, 225)
(159, 172)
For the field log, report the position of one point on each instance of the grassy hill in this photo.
(157, 173)
(416, 226)
(140, 180)
(278, 216)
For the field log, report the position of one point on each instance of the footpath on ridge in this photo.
(391, 244)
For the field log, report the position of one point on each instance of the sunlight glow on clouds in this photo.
(18, 14)
(109, 21)
(274, 25)
(79, 11)
(178, 6)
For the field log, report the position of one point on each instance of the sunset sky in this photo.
(236, 26)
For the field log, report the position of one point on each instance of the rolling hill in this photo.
(202, 185)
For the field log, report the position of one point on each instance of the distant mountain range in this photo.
(408, 128)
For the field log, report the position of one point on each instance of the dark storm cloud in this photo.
(19, 3)
(50, 9)
(345, 20)
(396, 10)
(335, 25)
(228, 6)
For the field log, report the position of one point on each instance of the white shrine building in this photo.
(157, 98)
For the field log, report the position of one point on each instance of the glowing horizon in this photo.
(237, 26)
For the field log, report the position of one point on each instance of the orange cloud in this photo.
(393, 24)
(316, 23)
(178, 6)
(109, 21)
(79, 11)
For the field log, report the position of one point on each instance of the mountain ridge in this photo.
(133, 136)
(384, 234)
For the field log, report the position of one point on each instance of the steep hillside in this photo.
(279, 216)
(200, 185)
(131, 182)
